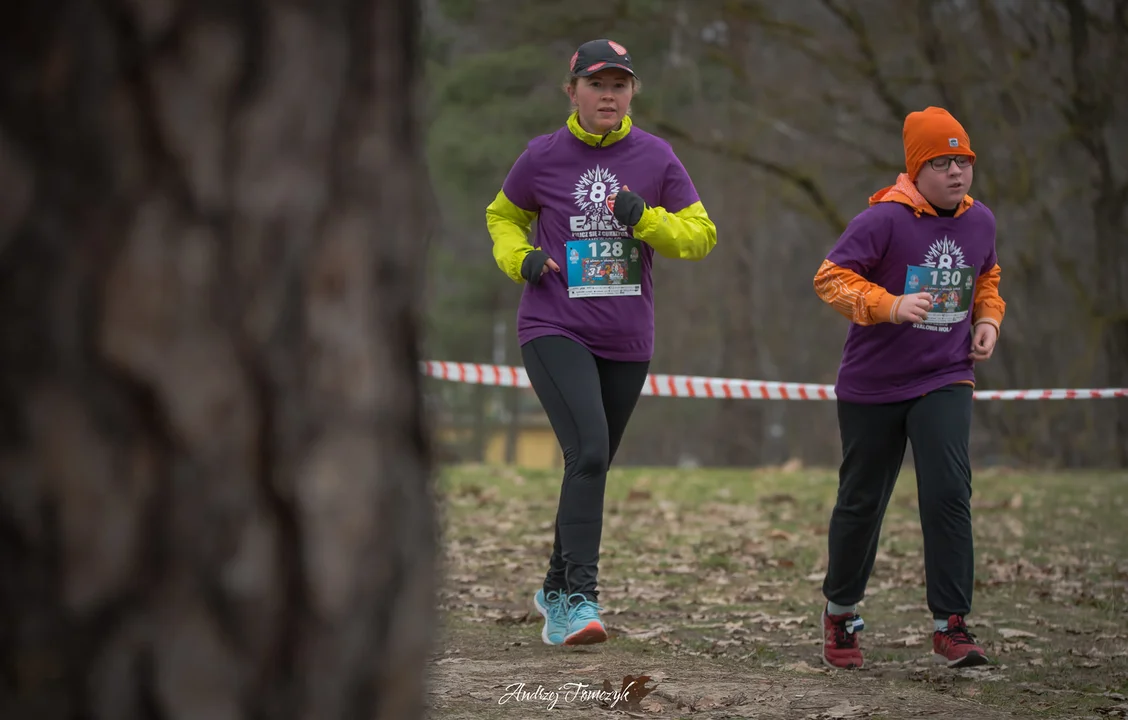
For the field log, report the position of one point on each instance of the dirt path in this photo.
(482, 676)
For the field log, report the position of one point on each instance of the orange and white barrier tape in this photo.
(692, 386)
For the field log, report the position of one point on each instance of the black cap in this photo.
(596, 55)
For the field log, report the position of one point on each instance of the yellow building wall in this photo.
(536, 448)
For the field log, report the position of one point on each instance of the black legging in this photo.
(588, 400)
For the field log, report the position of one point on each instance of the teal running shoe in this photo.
(584, 625)
(552, 607)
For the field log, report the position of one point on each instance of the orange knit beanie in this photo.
(932, 133)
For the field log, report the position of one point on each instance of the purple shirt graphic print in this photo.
(603, 297)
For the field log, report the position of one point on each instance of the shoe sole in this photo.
(972, 659)
(851, 666)
(590, 635)
(822, 655)
(544, 614)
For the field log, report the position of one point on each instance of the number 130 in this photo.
(943, 277)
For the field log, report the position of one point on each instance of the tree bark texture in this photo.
(214, 471)
(1092, 118)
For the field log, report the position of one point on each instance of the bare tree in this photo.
(1091, 115)
(215, 473)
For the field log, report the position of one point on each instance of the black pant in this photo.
(588, 400)
(873, 448)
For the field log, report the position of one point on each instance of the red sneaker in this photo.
(840, 640)
(957, 646)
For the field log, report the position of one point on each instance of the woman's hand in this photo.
(626, 206)
(535, 264)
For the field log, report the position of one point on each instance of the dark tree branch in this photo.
(804, 183)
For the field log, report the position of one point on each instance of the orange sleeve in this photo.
(989, 306)
(859, 300)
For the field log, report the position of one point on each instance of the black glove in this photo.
(629, 207)
(532, 267)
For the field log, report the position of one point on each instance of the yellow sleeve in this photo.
(509, 227)
(688, 234)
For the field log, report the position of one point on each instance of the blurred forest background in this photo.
(788, 116)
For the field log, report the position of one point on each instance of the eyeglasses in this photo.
(941, 164)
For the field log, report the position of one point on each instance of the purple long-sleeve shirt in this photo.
(905, 251)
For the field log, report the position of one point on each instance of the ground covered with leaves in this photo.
(711, 584)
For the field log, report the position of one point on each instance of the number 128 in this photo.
(612, 249)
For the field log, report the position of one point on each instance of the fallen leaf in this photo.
(630, 694)
(634, 690)
(784, 621)
(907, 641)
(806, 668)
(518, 618)
(651, 705)
(647, 634)
(845, 709)
(1010, 633)
(707, 703)
(981, 674)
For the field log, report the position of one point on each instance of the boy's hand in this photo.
(983, 340)
(913, 308)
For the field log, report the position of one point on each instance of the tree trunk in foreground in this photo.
(214, 472)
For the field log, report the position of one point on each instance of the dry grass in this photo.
(711, 584)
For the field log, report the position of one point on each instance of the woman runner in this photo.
(606, 196)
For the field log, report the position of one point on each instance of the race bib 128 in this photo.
(600, 268)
